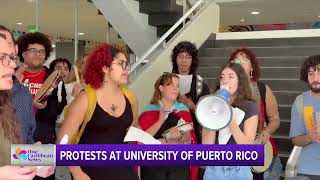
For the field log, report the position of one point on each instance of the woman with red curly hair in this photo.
(269, 120)
(106, 72)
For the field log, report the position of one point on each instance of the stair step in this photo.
(284, 158)
(286, 84)
(161, 19)
(283, 143)
(149, 7)
(311, 41)
(286, 97)
(285, 112)
(275, 84)
(289, 61)
(283, 129)
(266, 72)
(161, 30)
(264, 51)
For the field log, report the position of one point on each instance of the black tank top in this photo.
(106, 129)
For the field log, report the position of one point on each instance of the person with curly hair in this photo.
(232, 75)
(34, 49)
(185, 61)
(269, 120)
(106, 73)
(305, 120)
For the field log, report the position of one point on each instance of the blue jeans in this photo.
(228, 173)
(275, 171)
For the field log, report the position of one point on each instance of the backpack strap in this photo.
(262, 91)
(91, 93)
(262, 106)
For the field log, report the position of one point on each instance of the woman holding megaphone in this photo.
(233, 76)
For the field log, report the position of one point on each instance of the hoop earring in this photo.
(251, 73)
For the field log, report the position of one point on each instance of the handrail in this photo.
(153, 47)
(291, 166)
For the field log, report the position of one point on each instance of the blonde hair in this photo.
(72, 74)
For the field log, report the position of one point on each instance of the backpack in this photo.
(91, 93)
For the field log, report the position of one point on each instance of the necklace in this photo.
(114, 107)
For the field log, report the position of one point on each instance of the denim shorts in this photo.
(275, 171)
(228, 173)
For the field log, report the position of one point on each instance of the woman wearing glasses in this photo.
(10, 128)
(106, 71)
(269, 120)
(165, 113)
(233, 76)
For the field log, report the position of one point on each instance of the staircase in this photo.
(280, 60)
(162, 14)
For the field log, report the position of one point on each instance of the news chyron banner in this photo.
(137, 155)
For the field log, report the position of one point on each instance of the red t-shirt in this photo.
(33, 81)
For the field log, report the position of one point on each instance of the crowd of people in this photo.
(92, 105)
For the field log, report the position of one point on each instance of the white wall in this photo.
(269, 34)
(197, 31)
(129, 23)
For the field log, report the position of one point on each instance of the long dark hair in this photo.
(243, 91)
(187, 47)
(8, 120)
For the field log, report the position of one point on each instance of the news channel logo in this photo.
(33, 155)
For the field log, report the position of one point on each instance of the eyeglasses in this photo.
(34, 51)
(124, 64)
(181, 56)
(6, 59)
(241, 61)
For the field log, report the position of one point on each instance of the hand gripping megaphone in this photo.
(214, 111)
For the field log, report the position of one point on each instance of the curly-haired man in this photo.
(305, 120)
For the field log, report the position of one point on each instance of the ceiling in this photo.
(271, 11)
(57, 16)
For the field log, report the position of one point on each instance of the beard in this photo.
(315, 87)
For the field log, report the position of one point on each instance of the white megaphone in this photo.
(214, 111)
